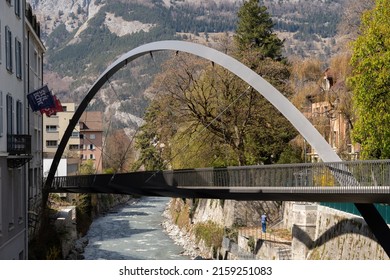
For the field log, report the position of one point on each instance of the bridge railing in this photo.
(76, 181)
(352, 173)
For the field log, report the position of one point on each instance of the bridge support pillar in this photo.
(303, 230)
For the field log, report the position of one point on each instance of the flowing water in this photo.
(133, 232)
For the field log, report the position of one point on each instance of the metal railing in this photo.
(350, 174)
(19, 144)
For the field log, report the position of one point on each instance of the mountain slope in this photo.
(84, 36)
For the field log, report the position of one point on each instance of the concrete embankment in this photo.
(315, 233)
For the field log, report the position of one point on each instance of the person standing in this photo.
(264, 222)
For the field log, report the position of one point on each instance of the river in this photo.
(132, 232)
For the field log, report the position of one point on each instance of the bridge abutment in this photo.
(303, 229)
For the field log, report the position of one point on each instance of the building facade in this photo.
(20, 141)
(330, 120)
(34, 53)
(85, 143)
(53, 130)
(91, 139)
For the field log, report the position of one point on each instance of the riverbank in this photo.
(181, 238)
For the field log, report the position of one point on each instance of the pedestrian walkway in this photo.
(274, 235)
(279, 239)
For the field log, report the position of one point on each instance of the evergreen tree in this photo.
(254, 31)
(147, 142)
(371, 82)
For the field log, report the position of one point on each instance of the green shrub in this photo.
(210, 233)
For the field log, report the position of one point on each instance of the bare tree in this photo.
(119, 153)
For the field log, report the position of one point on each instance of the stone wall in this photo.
(65, 225)
(318, 232)
(230, 212)
(343, 236)
(303, 229)
(323, 233)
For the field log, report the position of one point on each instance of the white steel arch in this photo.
(297, 119)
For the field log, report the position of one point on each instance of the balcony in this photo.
(19, 150)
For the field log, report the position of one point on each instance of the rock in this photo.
(181, 237)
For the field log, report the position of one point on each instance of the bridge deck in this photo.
(358, 182)
(309, 194)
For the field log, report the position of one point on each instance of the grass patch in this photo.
(210, 233)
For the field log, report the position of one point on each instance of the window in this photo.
(39, 67)
(0, 42)
(75, 134)
(17, 8)
(34, 62)
(19, 117)
(73, 147)
(349, 148)
(92, 147)
(18, 58)
(92, 136)
(1, 114)
(51, 143)
(8, 48)
(325, 109)
(91, 156)
(51, 128)
(10, 113)
(1, 208)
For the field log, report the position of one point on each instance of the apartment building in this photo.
(21, 58)
(329, 120)
(91, 139)
(34, 53)
(53, 130)
(85, 142)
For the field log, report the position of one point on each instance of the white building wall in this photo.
(34, 52)
(9, 83)
(61, 169)
(18, 183)
(13, 213)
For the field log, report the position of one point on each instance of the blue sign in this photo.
(41, 99)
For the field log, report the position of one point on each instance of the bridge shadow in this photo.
(343, 227)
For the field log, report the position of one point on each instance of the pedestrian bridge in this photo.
(362, 182)
(355, 181)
